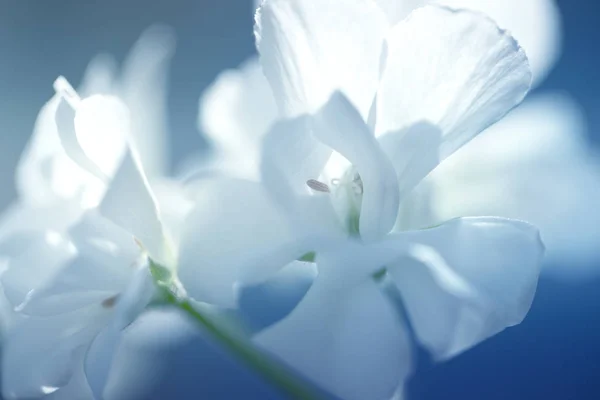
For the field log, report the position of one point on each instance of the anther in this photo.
(318, 186)
(110, 302)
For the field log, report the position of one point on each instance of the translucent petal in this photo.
(470, 75)
(345, 337)
(39, 354)
(309, 50)
(144, 89)
(468, 280)
(236, 111)
(130, 204)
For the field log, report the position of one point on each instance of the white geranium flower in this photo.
(373, 109)
(237, 108)
(78, 248)
(77, 289)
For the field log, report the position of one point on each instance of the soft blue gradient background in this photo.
(554, 354)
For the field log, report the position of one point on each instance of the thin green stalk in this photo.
(273, 371)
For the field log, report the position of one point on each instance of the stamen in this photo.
(110, 302)
(63, 87)
(318, 186)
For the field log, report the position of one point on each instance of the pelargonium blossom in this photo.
(546, 133)
(79, 243)
(368, 110)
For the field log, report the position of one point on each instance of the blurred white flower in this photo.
(371, 109)
(78, 241)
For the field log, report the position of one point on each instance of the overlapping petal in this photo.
(345, 336)
(468, 280)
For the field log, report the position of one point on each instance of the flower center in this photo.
(346, 197)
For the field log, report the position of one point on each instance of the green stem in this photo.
(275, 372)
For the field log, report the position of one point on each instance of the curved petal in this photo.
(144, 89)
(130, 305)
(233, 223)
(236, 111)
(339, 126)
(130, 204)
(39, 354)
(469, 279)
(34, 258)
(309, 50)
(33, 183)
(282, 293)
(541, 40)
(345, 337)
(412, 152)
(101, 270)
(462, 95)
(533, 165)
(100, 76)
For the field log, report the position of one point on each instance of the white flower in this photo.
(238, 108)
(372, 109)
(78, 248)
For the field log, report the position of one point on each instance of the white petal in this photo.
(474, 277)
(236, 111)
(534, 165)
(39, 355)
(131, 303)
(397, 10)
(33, 183)
(34, 259)
(144, 90)
(104, 264)
(339, 126)
(291, 156)
(233, 222)
(346, 338)
(540, 40)
(282, 293)
(413, 153)
(99, 77)
(453, 69)
(95, 135)
(309, 49)
(130, 204)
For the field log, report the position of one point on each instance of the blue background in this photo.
(554, 354)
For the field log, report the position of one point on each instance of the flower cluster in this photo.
(365, 102)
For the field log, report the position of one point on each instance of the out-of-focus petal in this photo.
(339, 126)
(470, 75)
(413, 153)
(474, 277)
(131, 303)
(345, 336)
(39, 354)
(34, 259)
(308, 50)
(235, 113)
(534, 165)
(234, 221)
(107, 256)
(144, 90)
(130, 204)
